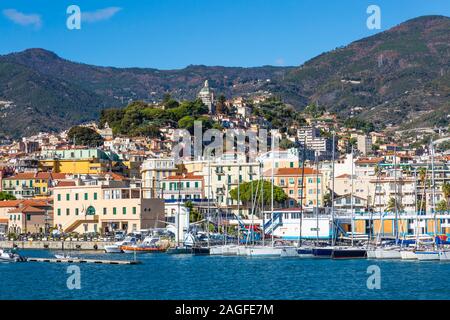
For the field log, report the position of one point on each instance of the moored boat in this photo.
(427, 255)
(322, 252)
(408, 255)
(388, 253)
(444, 255)
(116, 247)
(305, 253)
(263, 251)
(349, 253)
(289, 252)
(8, 256)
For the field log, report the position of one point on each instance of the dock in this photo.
(93, 261)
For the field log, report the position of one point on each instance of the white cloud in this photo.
(99, 15)
(22, 18)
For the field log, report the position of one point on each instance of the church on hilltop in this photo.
(207, 97)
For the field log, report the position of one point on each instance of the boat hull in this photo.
(349, 254)
(263, 252)
(201, 251)
(113, 249)
(305, 253)
(289, 252)
(322, 252)
(371, 254)
(444, 255)
(179, 251)
(128, 249)
(388, 254)
(427, 255)
(408, 255)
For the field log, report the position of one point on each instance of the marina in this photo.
(230, 277)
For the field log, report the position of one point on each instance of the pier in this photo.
(92, 261)
(56, 245)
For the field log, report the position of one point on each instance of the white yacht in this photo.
(408, 254)
(427, 255)
(117, 247)
(444, 255)
(8, 256)
(388, 253)
(260, 251)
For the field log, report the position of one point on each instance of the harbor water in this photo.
(163, 276)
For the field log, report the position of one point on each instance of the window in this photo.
(59, 197)
(114, 211)
(291, 180)
(310, 180)
(95, 195)
(59, 212)
(67, 211)
(85, 196)
(105, 211)
(68, 197)
(291, 164)
(124, 210)
(196, 184)
(134, 210)
(76, 196)
(188, 184)
(77, 211)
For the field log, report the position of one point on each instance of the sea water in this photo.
(163, 276)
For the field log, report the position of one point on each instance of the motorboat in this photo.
(117, 247)
(371, 253)
(148, 245)
(8, 256)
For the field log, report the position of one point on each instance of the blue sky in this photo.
(169, 34)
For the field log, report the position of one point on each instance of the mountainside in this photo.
(50, 93)
(400, 76)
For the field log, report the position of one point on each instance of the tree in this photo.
(84, 136)
(446, 191)
(286, 144)
(245, 192)
(393, 205)
(221, 107)
(442, 206)
(6, 196)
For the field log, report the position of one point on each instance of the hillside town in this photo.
(51, 183)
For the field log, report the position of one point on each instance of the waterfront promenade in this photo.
(56, 245)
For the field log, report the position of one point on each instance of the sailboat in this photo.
(431, 255)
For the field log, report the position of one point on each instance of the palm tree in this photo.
(423, 180)
(446, 191)
(393, 204)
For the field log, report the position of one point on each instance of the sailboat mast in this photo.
(209, 198)
(332, 192)
(396, 195)
(272, 182)
(317, 197)
(433, 193)
(261, 172)
(302, 194)
(352, 200)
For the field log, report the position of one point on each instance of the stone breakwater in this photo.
(56, 245)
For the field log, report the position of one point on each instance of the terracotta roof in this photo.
(26, 209)
(369, 160)
(3, 220)
(9, 203)
(290, 172)
(187, 176)
(345, 175)
(66, 184)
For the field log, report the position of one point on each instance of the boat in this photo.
(216, 250)
(9, 256)
(289, 252)
(427, 255)
(305, 252)
(200, 251)
(322, 252)
(180, 250)
(444, 255)
(388, 253)
(116, 247)
(230, 250)
(408, 255)
(371, 253)
(148, 245)
(349, 253)
(263, 251)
